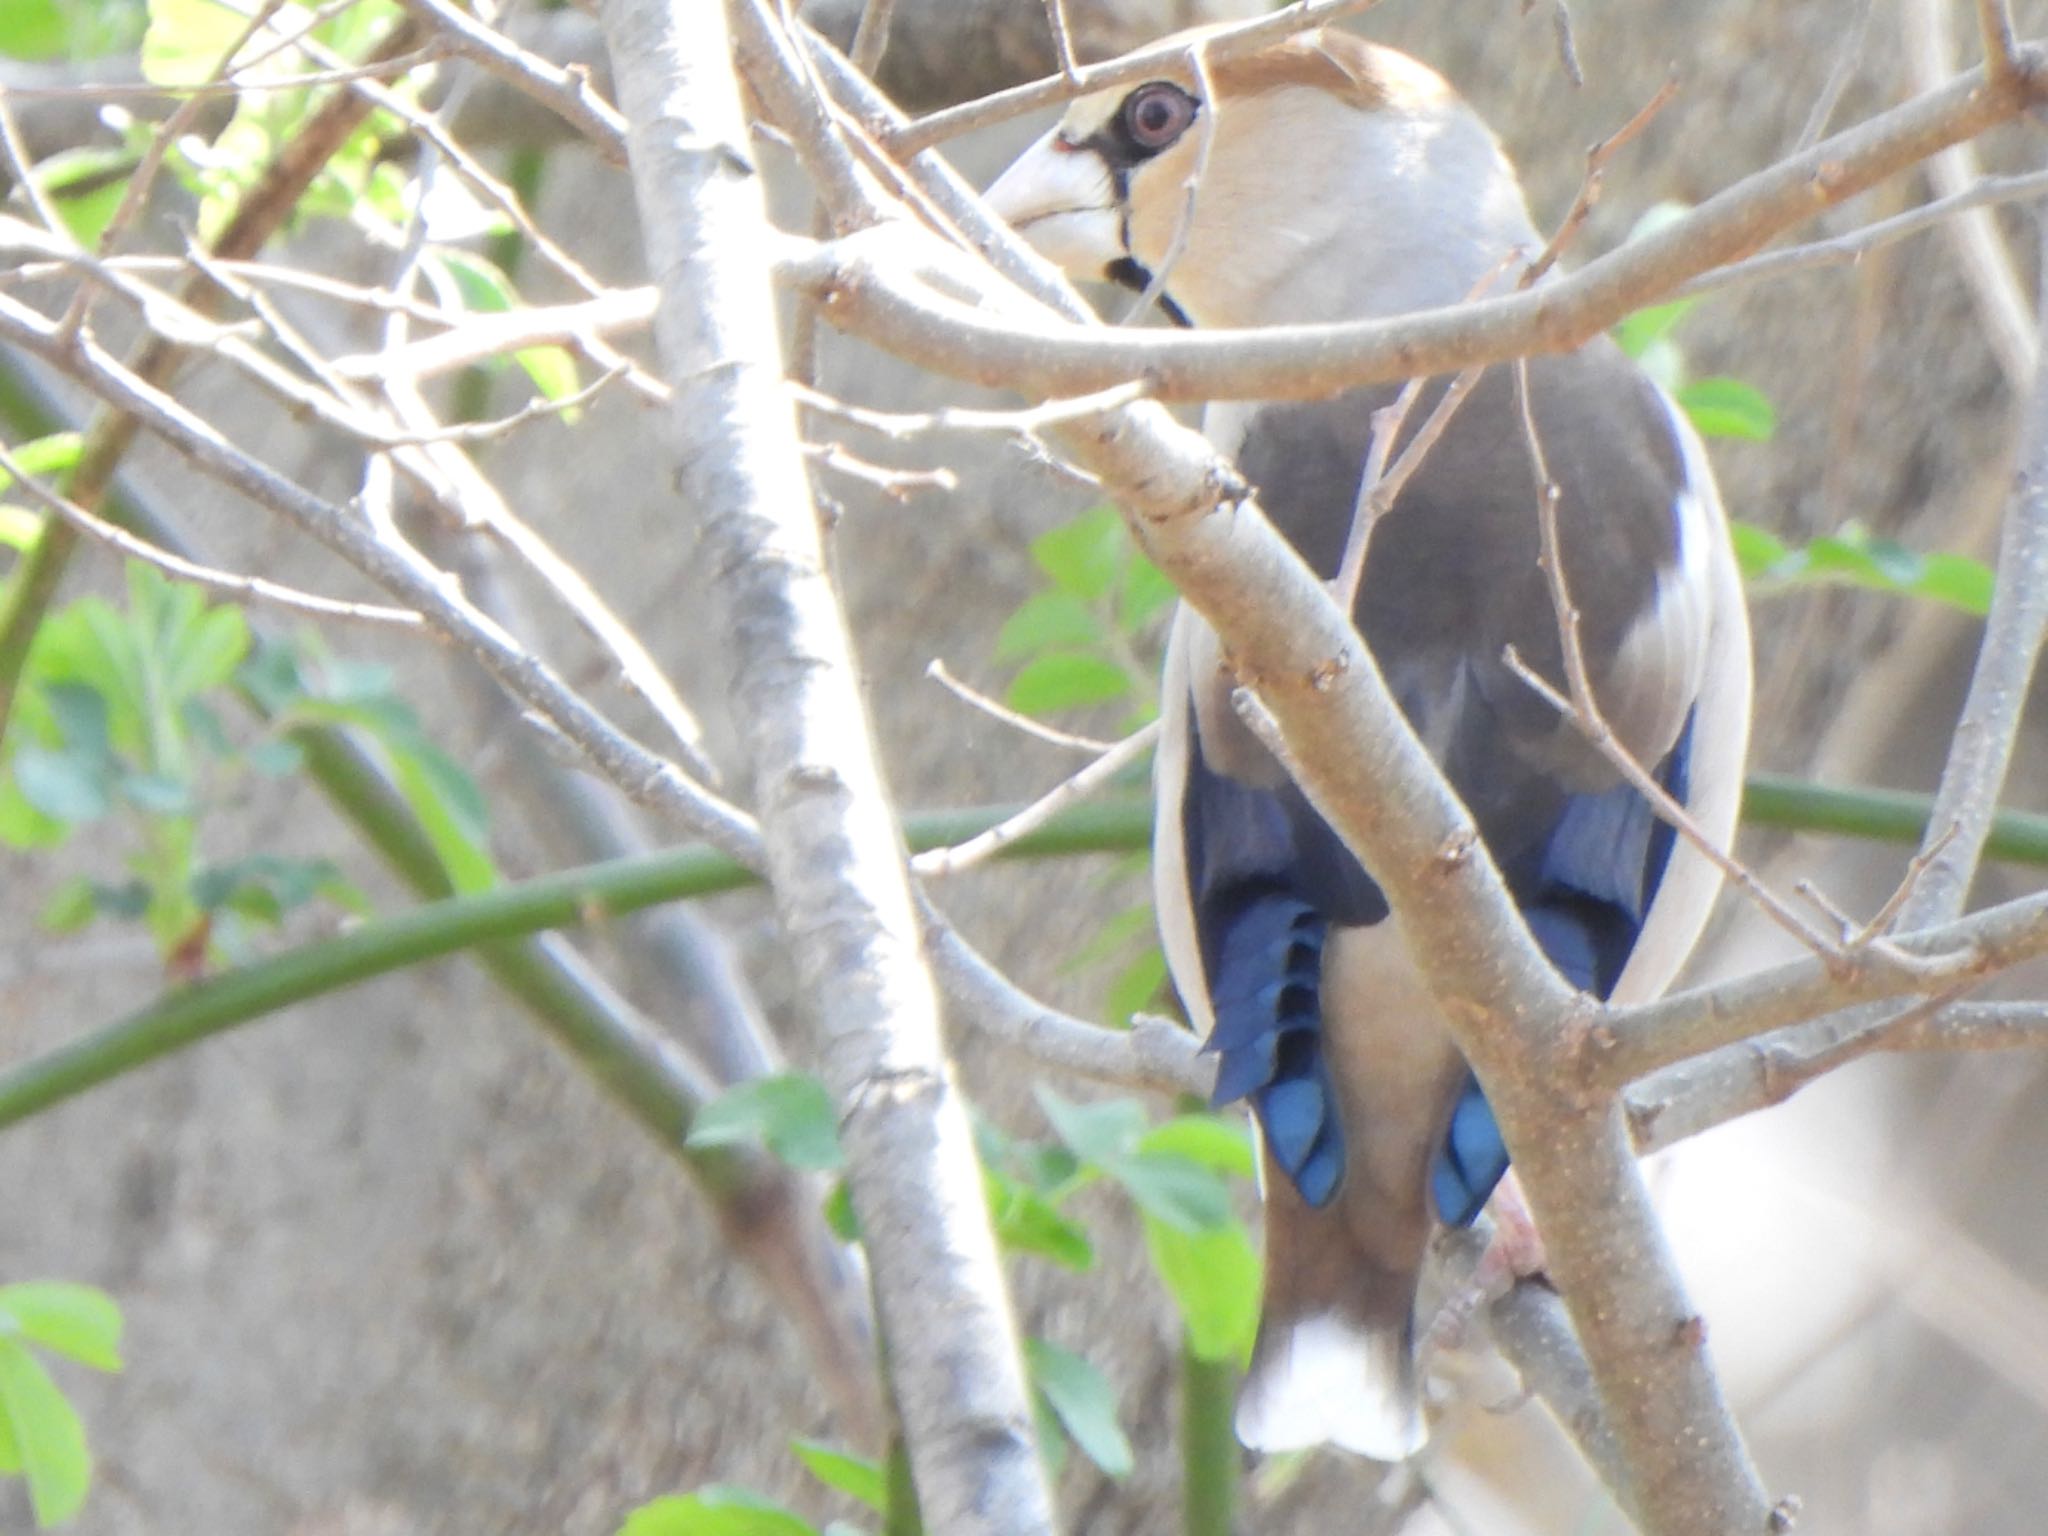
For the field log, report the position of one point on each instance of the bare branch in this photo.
(235, 588)
(565, 91)
(1589, 185)
(949, 861)
(1062, 41)
(1987, 266)
(840, 885)
(1225, 43)
(997, 710)
(871, 37)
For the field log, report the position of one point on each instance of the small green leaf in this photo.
(715, 1511)
(187, 40)
(1213, 1277)
(20, 529)
(790, 1114)
(1637, 332)
(1757, 550)
(839, 1213)
(71, 907)
(1083, 555)
(1721, 407)
(1146, 594)
(158, 794)
(1173, 1190)
(852, 1475)
(80, 714)
(47, 1436)
(450, 808)
(1080, 1396)
(80, 1322)
(552, 372)
(1027, 1222)
(34, 30)
(1136, 984)
(65, 786)
(1066, 680)
(1046, 621)
(202, 650)
(44, 457)
(1212, 1140)
(1100, 1132)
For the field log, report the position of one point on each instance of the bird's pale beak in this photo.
(1060, 198)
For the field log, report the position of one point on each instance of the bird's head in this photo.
(1332, 178)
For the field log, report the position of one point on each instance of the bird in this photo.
(1329, 178)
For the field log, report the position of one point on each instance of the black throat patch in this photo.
(1129, 272)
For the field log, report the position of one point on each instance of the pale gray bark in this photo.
(834, 859)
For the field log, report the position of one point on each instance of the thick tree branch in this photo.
(835, 861)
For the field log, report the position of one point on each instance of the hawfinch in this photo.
(1341, 180)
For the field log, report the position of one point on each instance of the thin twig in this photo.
(996, 710)
(898, 485)
(1226, 43)
(234, 83)
(1578, 705)
(1847, 57)
(1596, 170)
(952, 418)
(1994, 26)
(950, 861)
(1999, 298)
(235, 588)
(1062, 42)
(564, 90)
(1847, 249)
(871, 35)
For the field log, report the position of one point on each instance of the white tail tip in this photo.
(1327, 1381)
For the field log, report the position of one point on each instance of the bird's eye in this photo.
(1155, 115)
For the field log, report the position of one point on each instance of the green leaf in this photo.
(839, 1213)
(451, 810)
(65, 786)
(1066, 680)
(1721, 407)
(482, 286)
(1213, 1277)
(1047, 621)
(34, 30)
(47, 1436)
(1757, 550)
(203, 650)
(715, 1511)
(1027, 1222)
(1083, 555)
(20, 529)
(87, 185)
(1080, 1397)
(1100, 1132)
(1146, 594)
(45, 457)
(187, 39)
(157, 794)
(1637, 332)
(790, 1114)
(71, 907)
(852, 1475)
(1215, 1141)
(1174, 1190)
(80, 715)
(1853, 557)
(1136, 984)
(80, 1322)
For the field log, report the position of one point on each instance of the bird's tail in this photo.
(1333, 1363)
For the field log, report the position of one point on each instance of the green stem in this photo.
(594, 892)
(901, 1514)
(1880, 815)
(1209, 1457)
